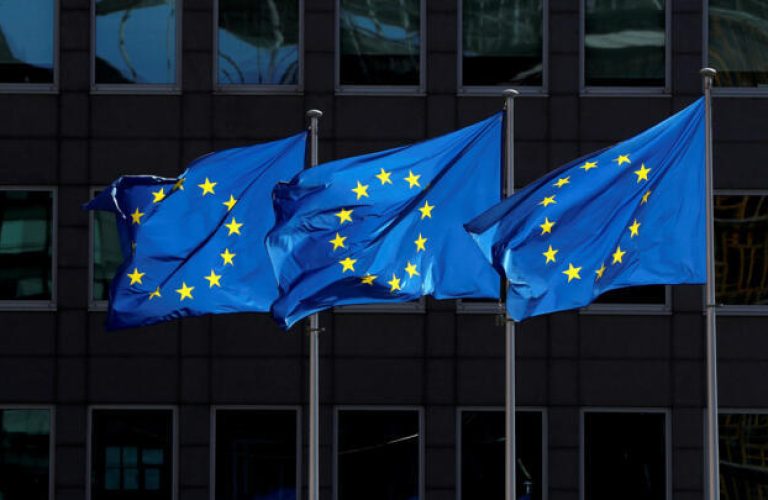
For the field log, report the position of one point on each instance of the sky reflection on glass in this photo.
(26, 41)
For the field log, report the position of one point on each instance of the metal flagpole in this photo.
(510, 457)
(713, 471)
(314, 356)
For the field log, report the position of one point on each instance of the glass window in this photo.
(624, 43)
(258, 42)
(107, 256)
(135, 42)
(378, 455)
(256, 455)
(741, 249)
(25, 447)
(635, 295)
(26, 245)
(482, 454)
(132, 454)
(743, 456)
(380, 42)
(738, 42)
(625, 452)
(26, 41)
(502, 42)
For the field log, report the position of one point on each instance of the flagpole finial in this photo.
(314, 113)
(510, 93)
(708, 72)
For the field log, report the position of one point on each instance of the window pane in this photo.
(24, 454)
(26, 245)
(502, 42)
(624, 43)
(741, 243)
(378, 455)
(131, 452)
(624, 452)
(26, 41)
(256, 454)
(652, 294)
(107, 256)
(380, 42)
(136, 41)
(743, 456)
(258, 42)
(738, 42)
(482, 454)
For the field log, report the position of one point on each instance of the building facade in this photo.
(611, 398)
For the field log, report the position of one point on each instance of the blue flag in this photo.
(387, 226)
(632, 214)
(195, 244)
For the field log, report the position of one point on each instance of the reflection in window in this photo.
(26, 245)
(743, 456)
(502, 42)
(380, 42)
(482, 454)
(24, 454)
(107, 256)
(26, 41)
(135, 41)
(741, 249)
(625, 452)
(635, 295)
(738, 42)
(131, 454)
(256, 454)
(258, 42)
(624, 43)
(378, 455)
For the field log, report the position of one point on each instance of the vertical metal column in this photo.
(510, 457)
(314, 356)
(713, 461)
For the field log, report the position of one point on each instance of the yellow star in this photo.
(550, 254)
(548, 200)
(344, 215)
(646, 196)
(361, 190)
(562, 181)
(633, 229)
(420, 244)
(185, 292)
(234, 227)
(158, 196)
(154, 294)
(230, 203)
(588, 166)
(547, 226)
(642, 174)
(394, 283)
(600, 271)
(179, 186)
(227, 256)
(617, 255)
(136, 276)
(213, 279)
(383, 176)
(338, 241)
(411, 270)
(136, 216)
(426, 210)
(207, 187)
(622, 159)
(413, 180)
(347, 264)
(368, 279)
(572, 272)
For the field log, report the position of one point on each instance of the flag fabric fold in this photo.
(194, 244)
(632, 214)
(387, 226)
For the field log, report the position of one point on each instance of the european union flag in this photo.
(387, 226)
(632, 214)
(195, 244)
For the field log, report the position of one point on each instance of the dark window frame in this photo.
(51, 439)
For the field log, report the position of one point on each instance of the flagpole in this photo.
(314, 355)
(510, 457)
(713, 471)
